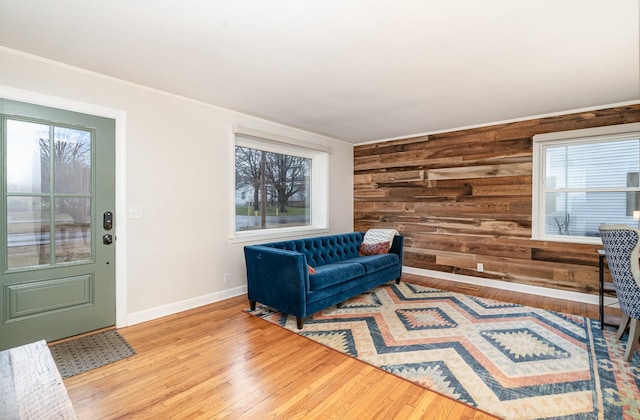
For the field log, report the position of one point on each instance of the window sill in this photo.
(271, 235)
(569, 239)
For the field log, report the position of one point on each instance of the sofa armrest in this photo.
(397, 246)
(277, 278)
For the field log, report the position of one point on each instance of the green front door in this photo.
(57, 221)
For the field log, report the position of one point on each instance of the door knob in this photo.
(107, 239)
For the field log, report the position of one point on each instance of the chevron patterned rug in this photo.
(510, 360)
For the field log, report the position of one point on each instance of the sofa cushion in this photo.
(374, 249)
(331, 274)
(373, 263)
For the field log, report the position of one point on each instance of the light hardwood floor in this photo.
(217, 361)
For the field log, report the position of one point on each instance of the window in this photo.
(583, 178)
(280, 185)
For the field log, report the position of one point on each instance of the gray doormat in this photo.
(89, 352)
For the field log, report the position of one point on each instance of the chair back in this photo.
(621, 244)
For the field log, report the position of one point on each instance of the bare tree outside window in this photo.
(248, 171)
(72, 166)
(287, 174)
(272, 189)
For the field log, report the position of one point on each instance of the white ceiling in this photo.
(356, 70)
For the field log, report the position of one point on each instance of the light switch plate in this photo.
(135, 212)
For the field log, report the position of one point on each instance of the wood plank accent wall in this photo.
(464, 197)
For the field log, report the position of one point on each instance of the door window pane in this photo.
(72, 151)
(28, 238)
(73, 229)
(32, 160)
(27, 157)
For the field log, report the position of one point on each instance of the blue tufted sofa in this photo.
(277, 274)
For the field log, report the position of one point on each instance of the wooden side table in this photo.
(612, 321)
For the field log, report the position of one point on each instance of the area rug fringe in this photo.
(513, 361)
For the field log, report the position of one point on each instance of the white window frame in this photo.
(540, 142)
(270, 142)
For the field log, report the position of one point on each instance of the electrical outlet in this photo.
(480, 267)
(227, 278)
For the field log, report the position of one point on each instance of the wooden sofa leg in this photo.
(299, 322)
(398, 280)
(252, 304)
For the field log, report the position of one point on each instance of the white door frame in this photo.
(121, 214)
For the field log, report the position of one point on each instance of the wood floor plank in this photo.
(217, 361)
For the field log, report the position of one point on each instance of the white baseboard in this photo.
(173, 308)
(514, 287)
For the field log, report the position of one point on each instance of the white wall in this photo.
(177, 170)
